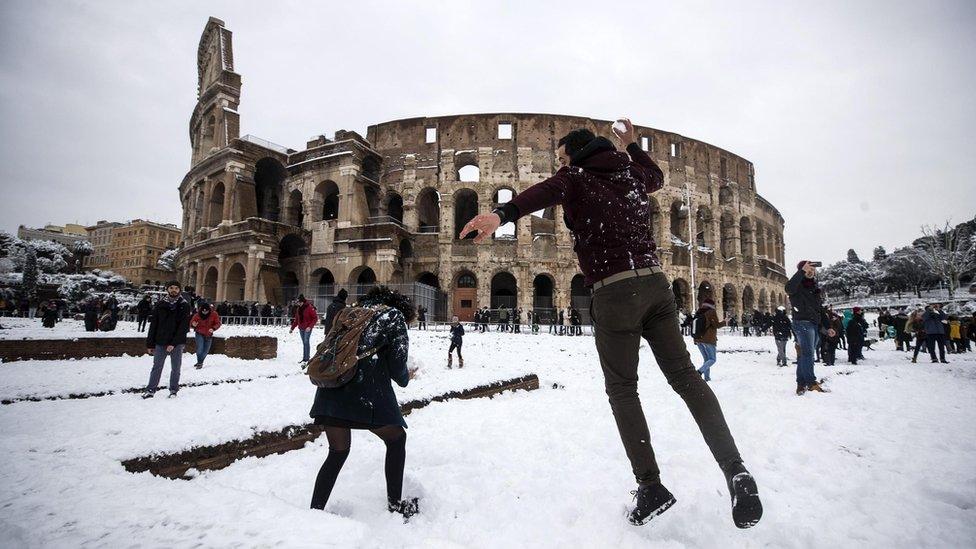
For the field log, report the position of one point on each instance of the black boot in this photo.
(406, 507)
(746, 507)
(652, 500)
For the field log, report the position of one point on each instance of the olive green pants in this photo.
(623, 313)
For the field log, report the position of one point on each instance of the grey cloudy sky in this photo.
(858, 115)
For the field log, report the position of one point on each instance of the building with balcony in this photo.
(262, 222)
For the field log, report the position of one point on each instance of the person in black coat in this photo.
(338, 304)
(49, 315)
(857, 329)
(457, 339)
(422, 317)
(92, 308)
(167, 337)
(143, 310)
(782, 332)
(369, 402)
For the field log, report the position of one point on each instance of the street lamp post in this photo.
(691, 247)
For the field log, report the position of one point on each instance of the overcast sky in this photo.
(859, 116)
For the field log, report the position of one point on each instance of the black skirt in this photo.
(329, 421)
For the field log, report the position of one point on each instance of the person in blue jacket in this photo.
(368, 401)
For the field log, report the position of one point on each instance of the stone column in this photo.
(199, 281)
(221, 277)
(250, 274)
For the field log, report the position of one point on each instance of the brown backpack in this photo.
(336, 358)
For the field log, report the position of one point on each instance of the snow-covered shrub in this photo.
(167, 260)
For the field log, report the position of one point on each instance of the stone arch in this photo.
(208, 136)
(682, 294)
(406, 249)
(763, 300)
(504, 290)
(325, 284)
(502, 195)
(727, 235)
(730, 301)
(466, 167)
(328, 193)
(745, 238)
(362, 279)
(580, 296)
(430, 279)
(748, 299)
(394, 206)
(269, 175)
(216, 206)
(290, 286)
(209, 289)
(294, 213)
(428, 207)
(543, 291)
(291, 246)
(465, 209)
(236, 280)
(705, 291)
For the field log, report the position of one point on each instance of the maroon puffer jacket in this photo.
(604, 197)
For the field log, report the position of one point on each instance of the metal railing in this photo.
(265, 143)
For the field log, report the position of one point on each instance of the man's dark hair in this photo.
(575, 140)
(382, 295)
(173, 283)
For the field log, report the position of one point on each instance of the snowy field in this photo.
(887, 459)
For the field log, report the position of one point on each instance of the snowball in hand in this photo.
(619, 126)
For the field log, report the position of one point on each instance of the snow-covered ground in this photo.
(884, 460)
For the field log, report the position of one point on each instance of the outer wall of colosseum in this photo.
(264, 223)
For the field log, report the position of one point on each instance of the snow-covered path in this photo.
(885, 460)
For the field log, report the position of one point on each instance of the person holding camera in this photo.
(604, 195)
(807, 300)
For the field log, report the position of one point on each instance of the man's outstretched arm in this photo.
(540, 196)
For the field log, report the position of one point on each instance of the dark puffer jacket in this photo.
(805, 299)
(169, 324)
(604, 197)
(369, 398)
(782, 327)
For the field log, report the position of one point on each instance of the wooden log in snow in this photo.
(266, 443)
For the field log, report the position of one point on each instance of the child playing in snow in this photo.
(457, 338)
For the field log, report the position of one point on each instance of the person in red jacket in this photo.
(306, 317)
(205, 322)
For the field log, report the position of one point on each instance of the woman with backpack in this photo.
(368, 401)
(705, 335)
(205, 322)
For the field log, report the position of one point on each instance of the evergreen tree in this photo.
(852, 256)
(30, 275)
(880, 254)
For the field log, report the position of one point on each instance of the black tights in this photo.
(340, 438)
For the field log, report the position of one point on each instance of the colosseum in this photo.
(263, 223)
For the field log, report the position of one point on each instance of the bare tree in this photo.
(949, 252)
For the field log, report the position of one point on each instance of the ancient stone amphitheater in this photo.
(264, 223)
